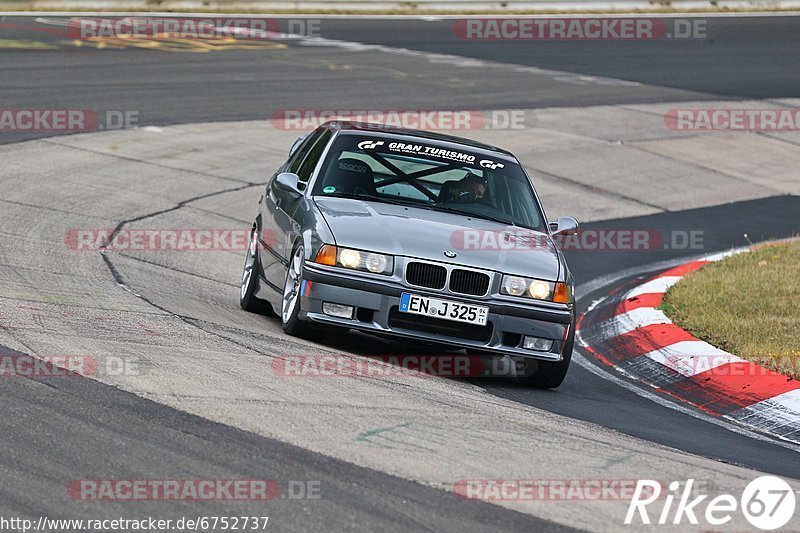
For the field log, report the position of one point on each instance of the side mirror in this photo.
(297, 144)
(564, 226)
(288, 182)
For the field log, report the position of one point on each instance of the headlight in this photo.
(376, 263)
(355, 259)
(540, 289)
(513, 285)
(349, 258)
(536, 288)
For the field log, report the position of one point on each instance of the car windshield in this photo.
(423, 174)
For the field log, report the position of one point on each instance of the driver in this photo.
(469, 189)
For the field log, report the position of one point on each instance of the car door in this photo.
(274, 222)
(282, 205)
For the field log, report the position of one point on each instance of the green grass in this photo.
(747, 304)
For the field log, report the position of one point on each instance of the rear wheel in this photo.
(249, 286)
(290, 311)
(550, 375)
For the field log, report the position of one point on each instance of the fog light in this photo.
(337, 310)
(538, 344)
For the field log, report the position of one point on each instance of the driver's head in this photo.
(474, 185)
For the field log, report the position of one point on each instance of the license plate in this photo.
(445, 309)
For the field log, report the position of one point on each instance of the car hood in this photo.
(426, 234)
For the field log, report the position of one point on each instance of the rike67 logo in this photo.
(767, 503)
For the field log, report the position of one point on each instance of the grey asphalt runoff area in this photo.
(205, 400)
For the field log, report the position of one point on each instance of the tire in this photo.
(290, 307)
(249, 285)
(550, 375)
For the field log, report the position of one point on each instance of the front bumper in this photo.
(376, 303)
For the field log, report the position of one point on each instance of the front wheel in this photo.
(290, 309)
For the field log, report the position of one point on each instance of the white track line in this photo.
(773, 413)
(634, 319)
(690, 358)
(659, 284)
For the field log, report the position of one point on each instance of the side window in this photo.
(311, 160)
(297, 157)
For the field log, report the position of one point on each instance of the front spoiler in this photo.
(379, 296)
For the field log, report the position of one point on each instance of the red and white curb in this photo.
(638, 339)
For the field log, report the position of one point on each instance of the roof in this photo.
(372, 127)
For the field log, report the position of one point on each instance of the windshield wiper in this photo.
(471, 214)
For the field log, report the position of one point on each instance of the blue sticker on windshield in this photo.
(329, 189)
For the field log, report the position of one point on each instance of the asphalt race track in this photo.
(739, 59)
(385, 452)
